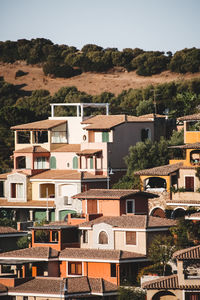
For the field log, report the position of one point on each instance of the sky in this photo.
(164, 25)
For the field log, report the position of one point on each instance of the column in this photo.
(31, 215)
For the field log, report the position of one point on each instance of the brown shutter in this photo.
(189, 183)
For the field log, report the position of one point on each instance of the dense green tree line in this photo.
(68, 61)
(18, 106)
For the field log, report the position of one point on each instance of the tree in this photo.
(161, 250)
(23, 242)
(131, 293)
(145, 107)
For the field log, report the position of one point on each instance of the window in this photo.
(40, 137)
(145, 134)
(54, 236)
(103, 237)
(47, 190)
(130, 238)
(113, 271)
(40, 163)
(75, 162)
(17, 190)
(130, 206)
(75, 268)
(21, 162)
(105, 136)
(85, 236)
(1, 188)
(25, 297)
(23, 137)
(189, 183)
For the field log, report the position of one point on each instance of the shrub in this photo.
(20, 73)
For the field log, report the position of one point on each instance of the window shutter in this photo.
(130, 237)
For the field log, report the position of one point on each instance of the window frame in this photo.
(85, 236)
(129, 243)
(76, 265)
(113, 270)
(133, 206)
(14, 190)
(106, 235)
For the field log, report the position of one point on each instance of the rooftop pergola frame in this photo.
(79, 107)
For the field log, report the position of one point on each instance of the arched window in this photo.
(103, 237)
(52, 162)
(75, 162)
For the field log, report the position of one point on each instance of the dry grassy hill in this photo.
(91, 83)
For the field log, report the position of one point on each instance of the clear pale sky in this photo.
(147, 24)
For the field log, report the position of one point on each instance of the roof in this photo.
(33, 149)
(187, 146)
(169, 282)
(133, 221)
(106, 122)
(110, 194)
(33, 203)
(54, 226)
(6, 229)
(72, 285)
(190, 117)
(31, 253)
(161, 170)
(98, 254)
(40, 125)
(65, 175)
(189, 253)
(3, 288)
(65, 147)
(89, 152)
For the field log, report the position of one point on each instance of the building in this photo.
(9, 238)
(57, 158)
(183, 285)
(179, 178)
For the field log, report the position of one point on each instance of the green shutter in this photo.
(91, 163)
(40, 215)
(75, 162)
(64, 213)
(52, 162)
(105, 136)
(52, 216)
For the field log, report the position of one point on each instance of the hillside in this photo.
(91, 83)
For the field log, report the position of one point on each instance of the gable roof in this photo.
(169, 282)
(98, 254)
(32, 149)
(161, 170)
(188, 253)
(111, 194)
(31, 253)
(6, 229)
(40, 125)
(66, 175)
(64, 286)
(190, 117)
(133, 221)
(106, 122)
(187, 146)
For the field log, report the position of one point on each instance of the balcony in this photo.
(59, 137)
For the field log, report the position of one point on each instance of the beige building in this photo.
(185, 285)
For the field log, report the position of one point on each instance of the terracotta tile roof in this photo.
(98, 254)
(133, 221)
(190, 117)
(3, 288)
(32, 149)
(41, 285)
(40, 125)
(169, 282)
(152, 116)
(89, 152)
(100, 286)
(188, 253)
(65, 175)
(68, 286)
(6, 229)
(187, 146)
(110, 194)
(106, 122)
(160, 171)
(65, 147)
(34, 253)
(6, 203)
(4, 175)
